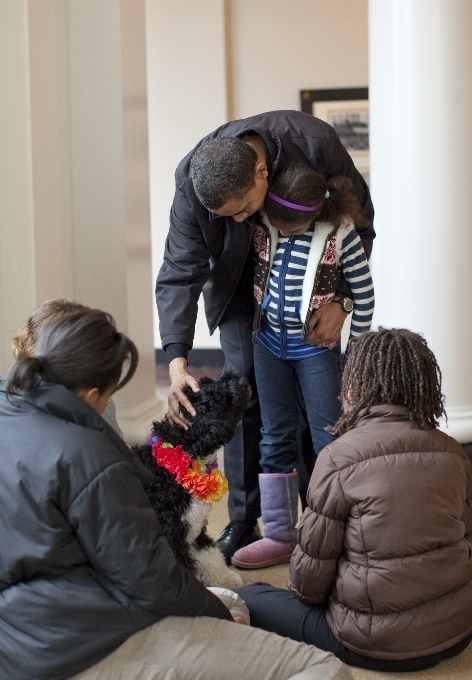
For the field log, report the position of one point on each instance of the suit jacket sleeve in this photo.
(185, 269)
(123, 541)
(320, 534)
(341, 163)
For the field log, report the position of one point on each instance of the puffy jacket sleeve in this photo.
(467, 514)
(123, 541)
(320, 534)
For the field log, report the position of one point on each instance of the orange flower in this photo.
(208, 487)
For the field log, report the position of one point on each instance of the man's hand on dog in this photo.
(179, 378)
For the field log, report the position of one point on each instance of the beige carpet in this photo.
(459, 668)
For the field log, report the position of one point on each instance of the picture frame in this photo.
(347, 110)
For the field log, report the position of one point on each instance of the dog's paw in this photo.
(212, 570)
(233, 580)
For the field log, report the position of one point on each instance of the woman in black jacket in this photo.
(83, 562)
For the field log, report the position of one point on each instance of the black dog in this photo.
(219, 405)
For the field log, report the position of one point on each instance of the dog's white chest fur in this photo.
(211, 568)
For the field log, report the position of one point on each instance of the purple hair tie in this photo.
(305, 208)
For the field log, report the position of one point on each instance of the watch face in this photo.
(348, 305)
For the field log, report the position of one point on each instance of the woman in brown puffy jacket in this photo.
(382, 573)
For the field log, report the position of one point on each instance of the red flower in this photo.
(208, 487)
(173, 458)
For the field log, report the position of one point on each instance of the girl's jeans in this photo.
(319, 378)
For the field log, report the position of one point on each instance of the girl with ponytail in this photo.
(84, 564)
(305, 243)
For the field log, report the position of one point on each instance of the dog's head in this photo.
(219, 405)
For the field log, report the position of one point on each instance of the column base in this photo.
(459, 424)
(136, 422)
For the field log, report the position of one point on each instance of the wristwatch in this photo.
(347, 305)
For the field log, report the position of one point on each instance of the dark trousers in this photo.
(241, 455)
(278, 611)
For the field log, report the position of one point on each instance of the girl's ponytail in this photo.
(298, 193)
(25, 375)
(340, 202)
(77, 350)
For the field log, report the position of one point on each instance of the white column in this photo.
(186, 60)
(79, 190)
(420, 58)
(17, 266)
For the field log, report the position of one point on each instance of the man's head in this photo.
(229, 178)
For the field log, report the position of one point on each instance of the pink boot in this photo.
(263, 553)
(279, 503)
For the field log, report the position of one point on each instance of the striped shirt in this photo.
(282, 322)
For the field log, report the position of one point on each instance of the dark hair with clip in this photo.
(81, 349)
(391, 366)
(332, 199)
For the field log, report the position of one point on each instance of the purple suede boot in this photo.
(279, 503)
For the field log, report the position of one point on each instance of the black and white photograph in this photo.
(347, 110)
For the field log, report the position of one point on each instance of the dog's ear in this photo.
(195, 398)
(236, 387)
(205, 380)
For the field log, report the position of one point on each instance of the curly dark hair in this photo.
(300, 184)
(391, 366)
(222, 169)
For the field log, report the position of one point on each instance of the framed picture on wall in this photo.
(347, 110)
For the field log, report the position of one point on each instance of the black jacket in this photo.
(83, 561)
(205, 249)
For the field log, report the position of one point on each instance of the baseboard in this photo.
(199, 358)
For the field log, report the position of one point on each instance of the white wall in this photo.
(74, 182)
(210, 61)
(280, 47)
(17, 264)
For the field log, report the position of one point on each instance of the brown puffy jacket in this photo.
(387, 537)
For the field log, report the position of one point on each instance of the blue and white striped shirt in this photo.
(284, 308)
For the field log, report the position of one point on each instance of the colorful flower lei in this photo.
(202, 480)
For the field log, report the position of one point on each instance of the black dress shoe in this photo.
(236, 535)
